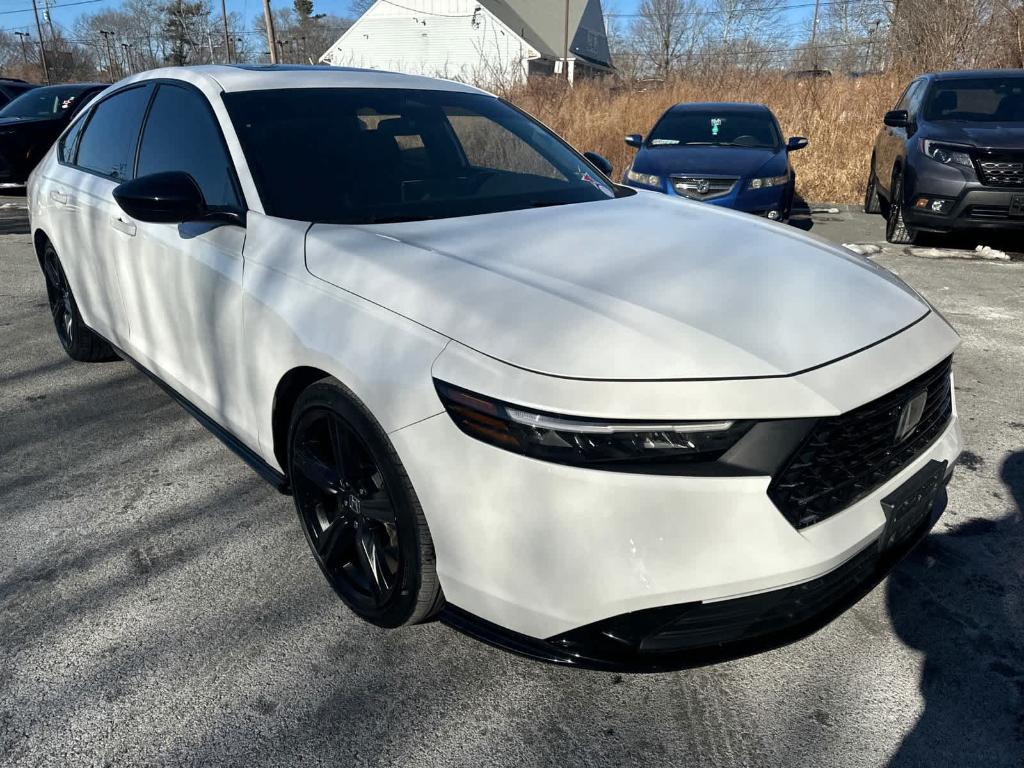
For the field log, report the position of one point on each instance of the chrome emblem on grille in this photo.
(910, 415)
(703, 186)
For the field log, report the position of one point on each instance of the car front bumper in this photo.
(974, 205)
(759, 202)
(534, 556)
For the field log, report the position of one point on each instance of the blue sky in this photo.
(17, 14)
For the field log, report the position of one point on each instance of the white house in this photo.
(482, 41)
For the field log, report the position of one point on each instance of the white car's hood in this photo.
(643, 287)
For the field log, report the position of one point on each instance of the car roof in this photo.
(719, 106)
(974, 73)
(257, 77)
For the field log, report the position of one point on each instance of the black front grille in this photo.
(1002, 170)
(989, 212)
(844, 458)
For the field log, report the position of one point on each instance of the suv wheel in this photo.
(896, 229)
(359, 510)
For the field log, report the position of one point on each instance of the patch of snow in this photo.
(864, 249)
(824, 210)
(986, 252)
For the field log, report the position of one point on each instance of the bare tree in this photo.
(667, 32)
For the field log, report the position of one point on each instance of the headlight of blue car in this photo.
(647, 179)
(768, 181)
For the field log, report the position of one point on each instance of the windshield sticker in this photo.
(591, 180)
(663, 142)
(716, 125)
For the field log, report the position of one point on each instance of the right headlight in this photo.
(947, 154)
(647, 179)
(597, 443)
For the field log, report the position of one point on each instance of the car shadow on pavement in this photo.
(959, 600)
(800, 214)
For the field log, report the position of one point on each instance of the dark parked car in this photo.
(951, 156)
(32, 122)
(731, 155)
(11, 88)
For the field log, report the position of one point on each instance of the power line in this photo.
(56, 5)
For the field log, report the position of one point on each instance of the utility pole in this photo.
(227, 40)
(130, 65)
(565, 61)
(268, 19)
(24, 51)
(814, 38)
(107, 34)
(42, 48)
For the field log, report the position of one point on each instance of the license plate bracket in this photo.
(1017, 205)
(908, 506)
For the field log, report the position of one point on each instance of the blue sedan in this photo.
(724, 154)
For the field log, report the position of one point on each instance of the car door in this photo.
(182, 282)
(892, 140)
(94, 156)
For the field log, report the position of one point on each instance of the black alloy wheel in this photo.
(358, 510)
(896, 229)
(77, 339)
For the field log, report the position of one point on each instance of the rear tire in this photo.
(872, 203)
(79, 340)
(896, 229)
(359, 511)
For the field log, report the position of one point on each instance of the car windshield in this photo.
(42, 102)
(727, 128)
(370, 156)
(976, 100)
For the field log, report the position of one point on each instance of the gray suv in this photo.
(951, 156)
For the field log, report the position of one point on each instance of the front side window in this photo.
(976, 100)
(47, 102)
(718, 129)
(181, 134)
(108, 140)
(361, 156)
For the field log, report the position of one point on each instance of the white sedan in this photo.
(584, 423)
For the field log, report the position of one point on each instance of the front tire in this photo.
(359, 511)
(79, 341)
(896, 229)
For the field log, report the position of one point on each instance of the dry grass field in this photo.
(840, 116)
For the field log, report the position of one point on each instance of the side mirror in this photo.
(795, 143)
(601, 163)
(162, 198)
(635, 140)
(896, 118)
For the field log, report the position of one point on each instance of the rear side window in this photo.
(181, 134)
(107, 144)
(69, 142)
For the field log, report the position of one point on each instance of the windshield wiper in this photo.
(395, 219)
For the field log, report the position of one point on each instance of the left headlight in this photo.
(647, 179)
(597, 443)
(768, 181)
(947, 154)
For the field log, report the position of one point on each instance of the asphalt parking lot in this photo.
(158, 605)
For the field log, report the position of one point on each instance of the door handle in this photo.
(122, 224)
(58, 197)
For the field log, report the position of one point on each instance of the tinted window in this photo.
(904, 102)
(181, 134)
(357, 156)
(983, 99)
(725, 128)
(51, 101)
(107, 144)
(66, 149)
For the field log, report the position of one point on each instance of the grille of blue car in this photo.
(703, 187)
(846, 457)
